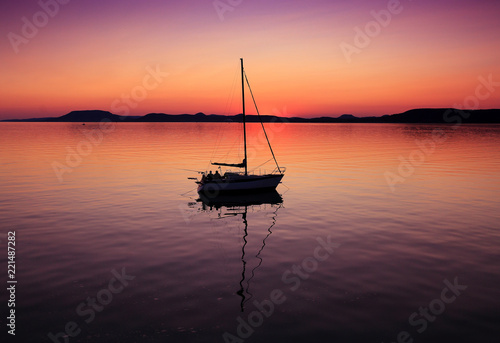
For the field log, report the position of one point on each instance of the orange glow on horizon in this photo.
(293, 61)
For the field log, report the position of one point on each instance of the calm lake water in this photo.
(384, 232)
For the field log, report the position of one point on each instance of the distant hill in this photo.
(444, 115)
(77, 116)
(423, 115)
(90, 116)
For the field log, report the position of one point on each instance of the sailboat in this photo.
(241, 181)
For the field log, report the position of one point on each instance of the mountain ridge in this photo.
(420, 115)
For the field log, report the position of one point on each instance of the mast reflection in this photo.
(239, 205)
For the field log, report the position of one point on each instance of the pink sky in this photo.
(96, 54)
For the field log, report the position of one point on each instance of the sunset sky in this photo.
(303, 57)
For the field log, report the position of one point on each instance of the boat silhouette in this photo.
(241, 182)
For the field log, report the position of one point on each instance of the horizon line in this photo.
(312, 117)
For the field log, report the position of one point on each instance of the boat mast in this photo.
(244, 119)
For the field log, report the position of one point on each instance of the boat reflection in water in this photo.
(235, 205)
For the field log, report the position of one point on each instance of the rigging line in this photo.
(229, 103)
(191, 170)
(260, 165)
(230, 100)
(184, 194)
(261, 123)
